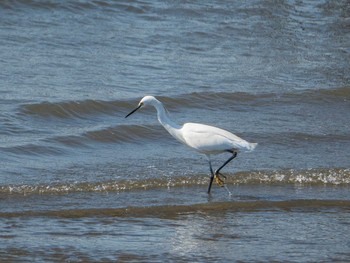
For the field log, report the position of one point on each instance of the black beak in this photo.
(133, 111)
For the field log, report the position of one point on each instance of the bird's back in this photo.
(212, 140)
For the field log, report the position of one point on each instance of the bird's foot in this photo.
(220, 179)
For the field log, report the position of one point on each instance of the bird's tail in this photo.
(251, 146)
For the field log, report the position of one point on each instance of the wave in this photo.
(135, 134)
(177, 210)
(300, 138)
(80, 109)
(202, 100)
(130, 6)
(335, 176)
(342, 92)
(71, 109)
(33, 149)
(118, 134)
(125, 133)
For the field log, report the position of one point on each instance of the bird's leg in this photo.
(211, 177)
(217, 173)
(234, 154)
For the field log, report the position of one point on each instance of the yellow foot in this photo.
(220, 181)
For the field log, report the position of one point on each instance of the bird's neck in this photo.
(163, 117)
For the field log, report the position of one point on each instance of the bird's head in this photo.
(147, 100)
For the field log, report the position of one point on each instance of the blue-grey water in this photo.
(80, 183)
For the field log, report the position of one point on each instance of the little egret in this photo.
(203, 138)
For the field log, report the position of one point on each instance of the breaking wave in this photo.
(336, 176)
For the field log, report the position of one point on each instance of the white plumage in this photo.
(212, 140)
(203, 138)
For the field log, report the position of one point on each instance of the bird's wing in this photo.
(208, 139)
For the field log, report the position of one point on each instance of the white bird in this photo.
(203, 138)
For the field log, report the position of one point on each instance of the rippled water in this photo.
(79, 182)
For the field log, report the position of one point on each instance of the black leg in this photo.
(211, 177)
(234, 154)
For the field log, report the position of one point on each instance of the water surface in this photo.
(80, 183)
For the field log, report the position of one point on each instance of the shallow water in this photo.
(258, 223)
(79, 182)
